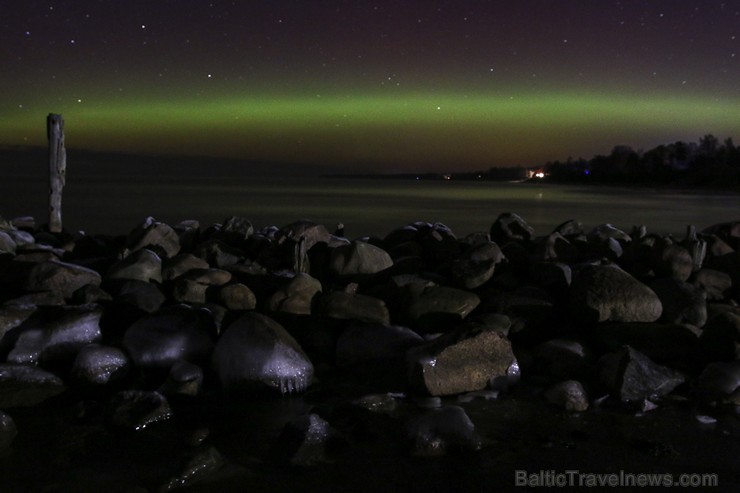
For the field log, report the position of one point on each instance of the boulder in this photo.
(60, 277)
(555, 247)
(296, 297)
(358, 258)
(675, 262)
(604, 232)
(720, 381)
(180, 264)
(341, 305)
(720, 339)
(441, 431)
(11, 316)
(561, 358)
(155, 236)
(683, 303)
(510, 227)
(257, 352)
(55, 334)
(464, 360)
(174, 333)
(569, 395)
(145, 296)
(436, 307)
(601, 293)
(668, 344)
(218, 254)
(23, 386)
(361, 342)
(97, 365)
(312, 232)
(715, 283)
(237, 296)
(304, 440)
(184, 378)
(137, 409)
(631, 376)
(7, 245)
(235, 230)
(476, 266)
(141, 265)
(8, 431)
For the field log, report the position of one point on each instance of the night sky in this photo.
(389, 85)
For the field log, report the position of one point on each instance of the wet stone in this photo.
(442, 431)
(137, 409)
(22, 386)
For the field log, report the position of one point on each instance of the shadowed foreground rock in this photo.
(225, 357)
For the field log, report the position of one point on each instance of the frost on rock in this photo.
(256, 351)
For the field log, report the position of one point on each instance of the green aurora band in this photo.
(415, 131)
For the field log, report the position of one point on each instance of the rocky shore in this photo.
(229, 358)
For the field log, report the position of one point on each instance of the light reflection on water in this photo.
(369, 206)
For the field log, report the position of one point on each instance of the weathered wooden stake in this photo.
(57, 170)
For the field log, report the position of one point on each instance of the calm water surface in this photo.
(114, 204)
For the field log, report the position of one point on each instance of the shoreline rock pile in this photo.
(139, 322)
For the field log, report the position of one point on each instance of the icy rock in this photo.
(465, 360)
(255, 351)
(142, 265)
(99, 365)
(8, 431)
(569, 395)
(137, 409)
(22, 386)
(296, 297)
(359, 258)
(361, 342)
(305, 440)
(54, 334)
(197, 468)
(442, 430)
(60, 277)
(632, 376)
(174, 333)
(602, 293)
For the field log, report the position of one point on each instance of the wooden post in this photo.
(57, 170)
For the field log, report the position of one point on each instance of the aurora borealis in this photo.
(387, 85)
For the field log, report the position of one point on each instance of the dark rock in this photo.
(91, 294)
(441, 431)
(257, 352)
(55, 334)
(218, 254)
(569, 395)
(237, 297)
(341, 305)
(187, 291)
(155, 236)
(476, 266)
(434, 307)
(180, 264)
(561, 358)
(728, 264)
(11, 316)
(175, 333)
(99, 365)
(197, 468)
(312, 232)
(23, 386)
(60, 277)
(716, 284)
(604, 232)
(184, 378)
(683, 303)
(602, 293)
(235, 230)
(670, 344)
(464, 360)
(631, 376)
(675, 262)
(305, 440)
(556, 247)
(137, 409)
(141, 265)
(510, 227)
(359, 258)
(8, 431)
(296, 297)
(361, 342)
(145, 296)
(720, 339)
(7, 245)
(720, 381)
